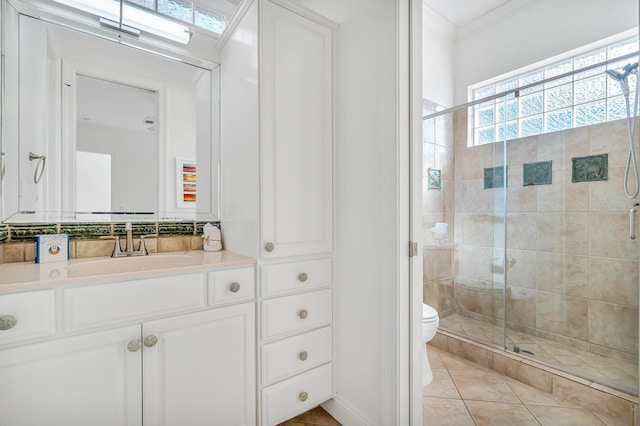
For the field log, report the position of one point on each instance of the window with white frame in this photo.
(581, 99)
(186, 11)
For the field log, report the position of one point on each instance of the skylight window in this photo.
(164, 18)
(186, 11)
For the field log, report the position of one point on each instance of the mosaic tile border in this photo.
(494, 177)
(590, 169)
(83, 231)
(538, 173)
(435, 178)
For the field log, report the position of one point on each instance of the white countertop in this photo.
(30, 275)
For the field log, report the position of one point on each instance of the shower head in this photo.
(626, 70)
(621, 76)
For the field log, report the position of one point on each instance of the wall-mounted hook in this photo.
(37, 174)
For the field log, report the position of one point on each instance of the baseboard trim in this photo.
(344, 412)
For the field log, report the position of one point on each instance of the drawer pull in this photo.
(303, 277)
(234, 287)
(303, 355)
(303, 396)
(150, 341)
(303, 314)
(7, 322)
(269, 247)
(134, 345)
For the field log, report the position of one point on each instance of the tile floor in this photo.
(464, 393)
(467, 394)
(619, 374)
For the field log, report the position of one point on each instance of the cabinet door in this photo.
(296, 88)
(201, 371)
(85, 380)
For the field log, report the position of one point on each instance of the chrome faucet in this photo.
(128, 248)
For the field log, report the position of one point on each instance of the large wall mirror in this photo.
(95, 130)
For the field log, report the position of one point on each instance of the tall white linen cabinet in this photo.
(277, 194)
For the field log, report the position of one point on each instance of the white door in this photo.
(199, 369)
(296, 126)
(92, 379)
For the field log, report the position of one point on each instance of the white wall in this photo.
(366, 222)
(534, 31)
(438, 38)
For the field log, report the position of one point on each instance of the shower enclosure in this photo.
(528, 233)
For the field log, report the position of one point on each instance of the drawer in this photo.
(104, 304)
(296, 395)
(284, 315)
(231, 285)
(33, 313)
(293, 276)
(296, 355)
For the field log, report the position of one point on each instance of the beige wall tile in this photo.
(477, 229)
(474, 263)
(522, 231)
(428, 158)
(472, 353)
(609, 195)
(94, 248)
(522, 198)
(610, 280)
(563, 315)
(443, 263)
(520, 151)
(444, 161)
(521, 268)
(521, 306)
(613, 326)
(563, 233)
(563, 274)
(610, 138)
(550, 148)
(471, 197)
(14, 252)
(609, 236)
(428, 271)
(525, 373)
(576, 143)
(169, 244)
(472, 161)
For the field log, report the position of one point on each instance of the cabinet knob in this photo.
(134, 345)
(234, 287)
(303, 314)
(269, 247)
(303, 396)
(7, 322)
(302, 277)
(150, 341)
(303, 355)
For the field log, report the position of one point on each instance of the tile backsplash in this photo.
(16, 240)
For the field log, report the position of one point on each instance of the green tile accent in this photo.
(536, 173)
(80, 231)
(435, 179)
(25, 232)
(494, 177)
(176, 228)
(142, 228)
(590, 169)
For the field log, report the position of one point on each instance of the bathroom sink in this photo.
(129, 264)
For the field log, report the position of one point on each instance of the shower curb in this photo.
(614, 406)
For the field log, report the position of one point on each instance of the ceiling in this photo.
(463, 12)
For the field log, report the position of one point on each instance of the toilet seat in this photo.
(428, 313)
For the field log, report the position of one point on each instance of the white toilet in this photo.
(430, 322)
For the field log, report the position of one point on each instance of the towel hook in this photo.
(37, 174)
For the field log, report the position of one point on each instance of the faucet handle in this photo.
(116, 248)
(143, 247)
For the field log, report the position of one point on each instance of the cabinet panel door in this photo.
(296, 86)
(201, 371)
(85, 380)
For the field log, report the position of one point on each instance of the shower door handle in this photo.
(632, 222)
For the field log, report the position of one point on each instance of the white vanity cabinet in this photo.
(296, 133)
(277, 189)
(168, 350)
